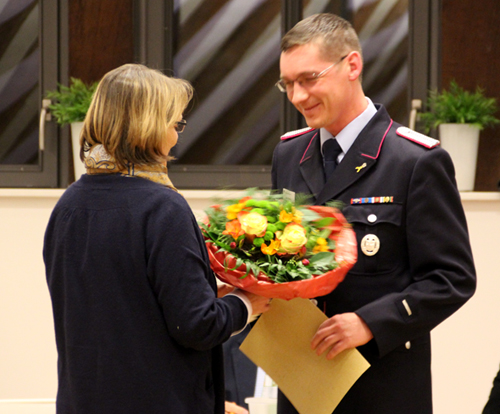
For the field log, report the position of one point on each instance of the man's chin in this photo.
(313, 124)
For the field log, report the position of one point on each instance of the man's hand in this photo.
(341, 332)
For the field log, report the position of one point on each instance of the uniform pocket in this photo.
(380, 236)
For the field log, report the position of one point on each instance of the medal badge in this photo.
(370, 245)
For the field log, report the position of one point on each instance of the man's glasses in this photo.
(305, 80)
(179, 126)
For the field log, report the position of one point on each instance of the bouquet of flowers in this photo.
(279, 248)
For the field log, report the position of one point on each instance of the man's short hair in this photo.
(335, 35)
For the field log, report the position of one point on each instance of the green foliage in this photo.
(457, 105)
(71, 102)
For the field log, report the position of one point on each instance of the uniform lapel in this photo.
(360, 158)
(311, 163)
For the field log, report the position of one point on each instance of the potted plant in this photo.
(69, 106)
(459, 116)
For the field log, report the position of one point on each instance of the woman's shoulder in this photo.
(134, 193)
(167, 193)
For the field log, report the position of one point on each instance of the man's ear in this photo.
(355, 63)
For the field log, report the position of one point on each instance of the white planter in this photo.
(76, 129)
(461, 141)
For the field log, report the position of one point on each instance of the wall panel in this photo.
(470, 39)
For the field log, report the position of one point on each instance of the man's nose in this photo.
(299, 94)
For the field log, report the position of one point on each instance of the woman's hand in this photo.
(223, 289)
(233, 408)
(260, 304)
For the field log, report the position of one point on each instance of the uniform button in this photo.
(372, 218)
(408, 345)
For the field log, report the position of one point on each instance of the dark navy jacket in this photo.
(138, 326)
(423, 270)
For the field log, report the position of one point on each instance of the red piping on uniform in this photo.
(305, 152)
(381, 142)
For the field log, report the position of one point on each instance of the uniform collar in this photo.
(348, 135)
(360, 159)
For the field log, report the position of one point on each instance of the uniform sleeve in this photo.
(184, 284)
(440, 259)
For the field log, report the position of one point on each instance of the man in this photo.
(415, 265)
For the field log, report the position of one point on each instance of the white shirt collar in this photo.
(348, 135)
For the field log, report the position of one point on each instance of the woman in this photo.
(138, 325)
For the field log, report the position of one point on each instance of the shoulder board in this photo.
(417, 137)
(296, 133)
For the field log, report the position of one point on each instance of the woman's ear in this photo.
(355, 63)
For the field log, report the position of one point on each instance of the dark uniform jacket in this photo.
(402, 201)
(138, 326)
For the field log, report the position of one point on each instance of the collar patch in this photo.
(418, 138)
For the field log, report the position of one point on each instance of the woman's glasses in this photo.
(179, 126)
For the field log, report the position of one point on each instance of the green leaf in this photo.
(325, 221)
(72, 102)
(322, 258)
(309, 215)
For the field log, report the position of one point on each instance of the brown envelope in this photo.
(280, 343)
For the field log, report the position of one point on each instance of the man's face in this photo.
(324, 102)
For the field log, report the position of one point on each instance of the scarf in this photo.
(98, 161)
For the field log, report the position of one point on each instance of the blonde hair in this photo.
(131, 111)
(335, 35)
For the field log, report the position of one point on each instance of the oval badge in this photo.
(370, 245)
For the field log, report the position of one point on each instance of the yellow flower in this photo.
(293, 238)
(285, 217)
(253, 223)
(321, 245)
(233, 210)
(272, 248)
(321, 241)
(295, 216)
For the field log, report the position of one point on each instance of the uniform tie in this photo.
(331, 150)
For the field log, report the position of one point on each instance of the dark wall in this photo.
(100, 37)
(470, 55)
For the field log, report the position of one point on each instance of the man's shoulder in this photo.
(297, 133)
(415, 138)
